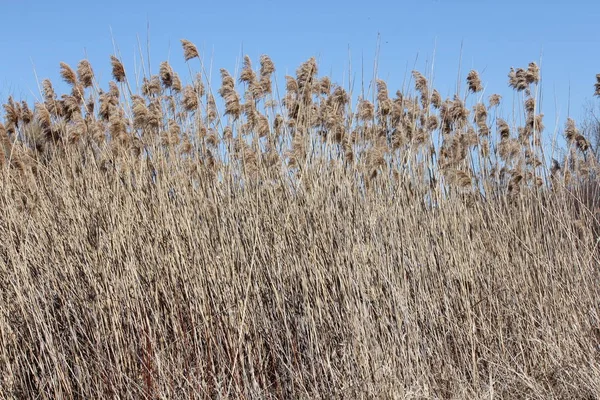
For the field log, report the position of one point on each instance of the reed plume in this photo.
(68, 74)
(397, 229)
(189, 50)
(231, 97)
(474, 82)
(85, 73)
(166, 74)
(247, 75)
(190, 99)
(118, 70)
(494, 100)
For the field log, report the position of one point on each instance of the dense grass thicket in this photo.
(265, 240)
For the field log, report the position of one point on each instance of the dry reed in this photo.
(175, 245)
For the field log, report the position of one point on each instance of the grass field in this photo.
(264, 240)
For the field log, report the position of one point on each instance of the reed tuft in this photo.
(189, 50)
(118, 70)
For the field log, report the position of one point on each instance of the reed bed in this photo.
(180, 240)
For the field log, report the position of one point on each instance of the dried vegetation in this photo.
(185, 241)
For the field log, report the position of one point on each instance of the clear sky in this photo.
(562, 36)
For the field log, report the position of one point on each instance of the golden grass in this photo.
(293, 245)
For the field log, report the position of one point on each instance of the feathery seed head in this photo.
(458, 112)
(494, 100)
(189, 50)
(151, 87)
(436, 99)
(68, 74)
(141, 114)
(480, 114)
(366, 110)
(118, 70)
(291, 85)
(176, 83)
(85, 73)
(571, 131)
(533, 73)
(211, 108)
(190, 99)
(13, 112)
(49, 94)
(266, 65)
(166, 74)
(247, 75)
(582, 143)
(517, 79)
(530, 105)
(26, 113)
(474, 82)
(503, 128)
(420, 81)
(324, 86)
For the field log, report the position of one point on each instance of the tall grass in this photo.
(179, 240)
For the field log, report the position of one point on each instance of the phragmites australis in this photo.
(189, 50)
(50, 98)
(12, 113)
(26, 113)
(305, 75)
(228, 93)
(166, 74)
(480, 114)
(366, 110)
(533, 73)
(474, 82)
(503, 128)
(67, 73)
(176, 86)
(199, 86)
(571, 131)
(420, 82)
(313, 107)
(190, 98)
(151, 87)
(517, 79)
(266, 65)
(266, 69)
(494, 100)
(339, 99)
(432, 123)
(436, 99)
(48, 90)
(291, 85)
(384, 104)
(458, 112)
(85, 73)
(324, 86)
(247, 75)
(520, 79)
(582, 143)
(43, 117)
(459, 178)
(155, 114)
(4, 140)
(530, 105)
(211, 108)
(118, 70)
(140, 112)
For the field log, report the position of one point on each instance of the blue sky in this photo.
(494, 35)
